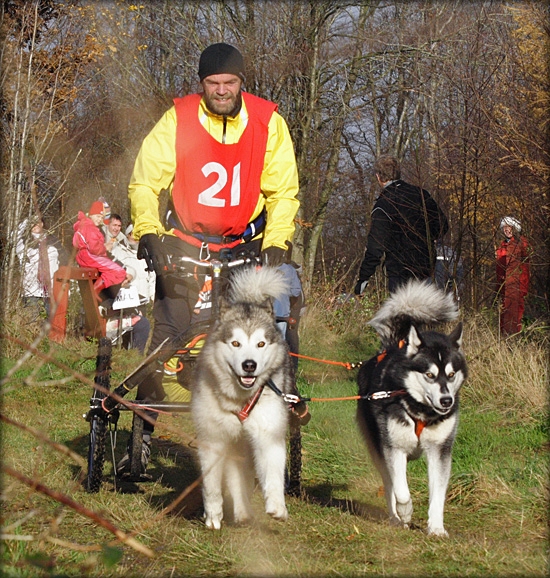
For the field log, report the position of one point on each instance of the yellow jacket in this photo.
(155, 167)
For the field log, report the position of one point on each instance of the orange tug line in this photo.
(243, 414)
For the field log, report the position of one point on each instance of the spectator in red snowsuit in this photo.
(512, 275)
(90, 242)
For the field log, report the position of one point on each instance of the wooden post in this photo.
(94, 324)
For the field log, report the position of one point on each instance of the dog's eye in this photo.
(235, 344)
(451, 375)
(430, 375)
(261, 344)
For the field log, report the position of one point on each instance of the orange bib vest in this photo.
(217, 186)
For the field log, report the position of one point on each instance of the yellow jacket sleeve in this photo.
(279, 184)
(154, 171)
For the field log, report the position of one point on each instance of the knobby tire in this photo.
(99, 420)
(294, 460)
(136, 447)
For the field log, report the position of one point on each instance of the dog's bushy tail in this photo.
(256, 284)
(418, 303)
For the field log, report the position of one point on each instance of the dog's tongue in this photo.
(248, 381)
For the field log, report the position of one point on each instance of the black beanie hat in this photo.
(221, 58)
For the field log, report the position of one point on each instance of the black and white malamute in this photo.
(241, 423)
(409, 396)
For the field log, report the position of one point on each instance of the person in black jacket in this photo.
(406, 223)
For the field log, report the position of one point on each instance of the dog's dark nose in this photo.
(446, 401)
(249, 366)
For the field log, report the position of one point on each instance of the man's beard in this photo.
(214, 105)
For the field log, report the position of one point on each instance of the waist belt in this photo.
(253, 228)
(214, 239)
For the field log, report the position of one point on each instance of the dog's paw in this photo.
(398, 522)
(279, 513)
(213, 522)
(438, 531)
(405, 511)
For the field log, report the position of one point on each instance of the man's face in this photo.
(508, 231)
(222, 93)
(114, 227)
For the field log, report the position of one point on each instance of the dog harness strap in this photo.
(245, 411)
(419, 425)
(384, 394)
(383, 354)
(274, 388)
(287, 397)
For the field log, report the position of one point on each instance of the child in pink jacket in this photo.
(90, 242)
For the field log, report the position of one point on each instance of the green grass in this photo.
(496, 512)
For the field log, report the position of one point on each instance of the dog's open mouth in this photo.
(247, 381)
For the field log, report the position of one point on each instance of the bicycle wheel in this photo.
(135, 448)
(98, 418)
(294, 460)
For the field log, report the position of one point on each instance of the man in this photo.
(227, 159)
(406, 222)
(113, 231)
(135, 327)
(121, 250)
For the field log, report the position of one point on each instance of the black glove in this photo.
(360, 287)
(273, 256)
(150, 248)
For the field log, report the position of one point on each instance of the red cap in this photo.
(96, 208)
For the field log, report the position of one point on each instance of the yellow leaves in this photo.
(533, 43)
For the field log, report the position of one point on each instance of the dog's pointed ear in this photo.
(456, 336)
(413, 342)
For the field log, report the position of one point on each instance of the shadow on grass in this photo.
(178, 471)
(321, 495)
(172, 466)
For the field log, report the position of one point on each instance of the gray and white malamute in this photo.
(409, 396)
(241, 424)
